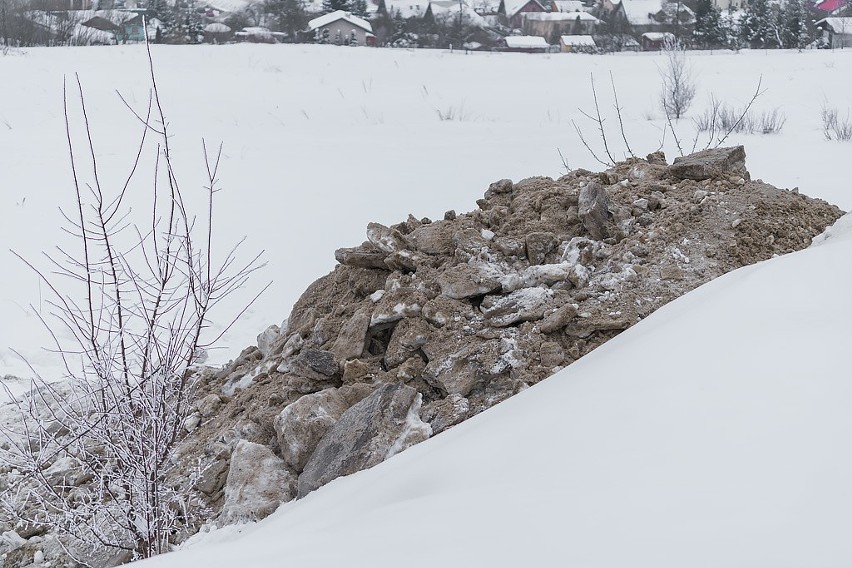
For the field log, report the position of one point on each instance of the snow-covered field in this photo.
(318, 141)
(713, 433)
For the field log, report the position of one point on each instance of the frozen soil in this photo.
(473, 308)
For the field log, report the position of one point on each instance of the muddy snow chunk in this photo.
(364, 256)
(706, 164)
(258, 481)
(502, 186)
(315, 364)
(446, 412)
(558, 319)
(434, 238)
(468, 281)
(539, 244)
(267, 338)
(551, 354)
(594, 211)
(458, 363)
(301, 425)
(396, 306)
(384, 238)
(353, 335)
(526, 304)
(381, 425)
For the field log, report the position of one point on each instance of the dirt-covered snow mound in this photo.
(428, 323)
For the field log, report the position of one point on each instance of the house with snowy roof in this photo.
(567, 6)
(836, 31)
(123, 26)
(525, 44)
(577, 44)
(831, 6)
(650, 15)
(407, 8)
(655, 41)
(342, 28)
(512, 12)
(554, 24)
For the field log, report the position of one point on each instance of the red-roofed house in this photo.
(830, 5)
(512, 12)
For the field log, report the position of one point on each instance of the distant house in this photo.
(554, 24)
(566, 6)
(577, 44)
(512, 12)
(525, 44)
(651, 15)
(124, 26)
(830, 5)
(258, 34)
(655, 41)
(837, 32)
(485, 7)
(407, 8)
(217, 32)
(342, 28)
(63, 5)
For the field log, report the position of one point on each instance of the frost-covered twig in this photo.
(128, 349)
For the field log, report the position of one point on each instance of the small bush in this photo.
(722, 118)
(453, 113)
(835, 128)
(678, 84)
(771, 122)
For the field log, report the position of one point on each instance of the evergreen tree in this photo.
(382, 24)
(795, 24)
(289, 16)
(729, 25)
(708, 31)
(167, 15)
(757, 24)
(329, 6)
(359, 8)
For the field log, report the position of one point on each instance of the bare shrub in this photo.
(598, 119)
(834, 127)
(128, 332)
(453, 113)
(771, 121)
(720, 117)
(678, 84)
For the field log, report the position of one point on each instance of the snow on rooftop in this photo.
(560, 16)
(340, 15)
(407, 8)
(452, 7)
(658, 36)
(578, 40)
(568, 5)
(216, 28)
(230, 6)
(526, 42)
(514, 6)
(638, 11)
(839, 25)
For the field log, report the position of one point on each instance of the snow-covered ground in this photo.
(712, 433)
(318, 141)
